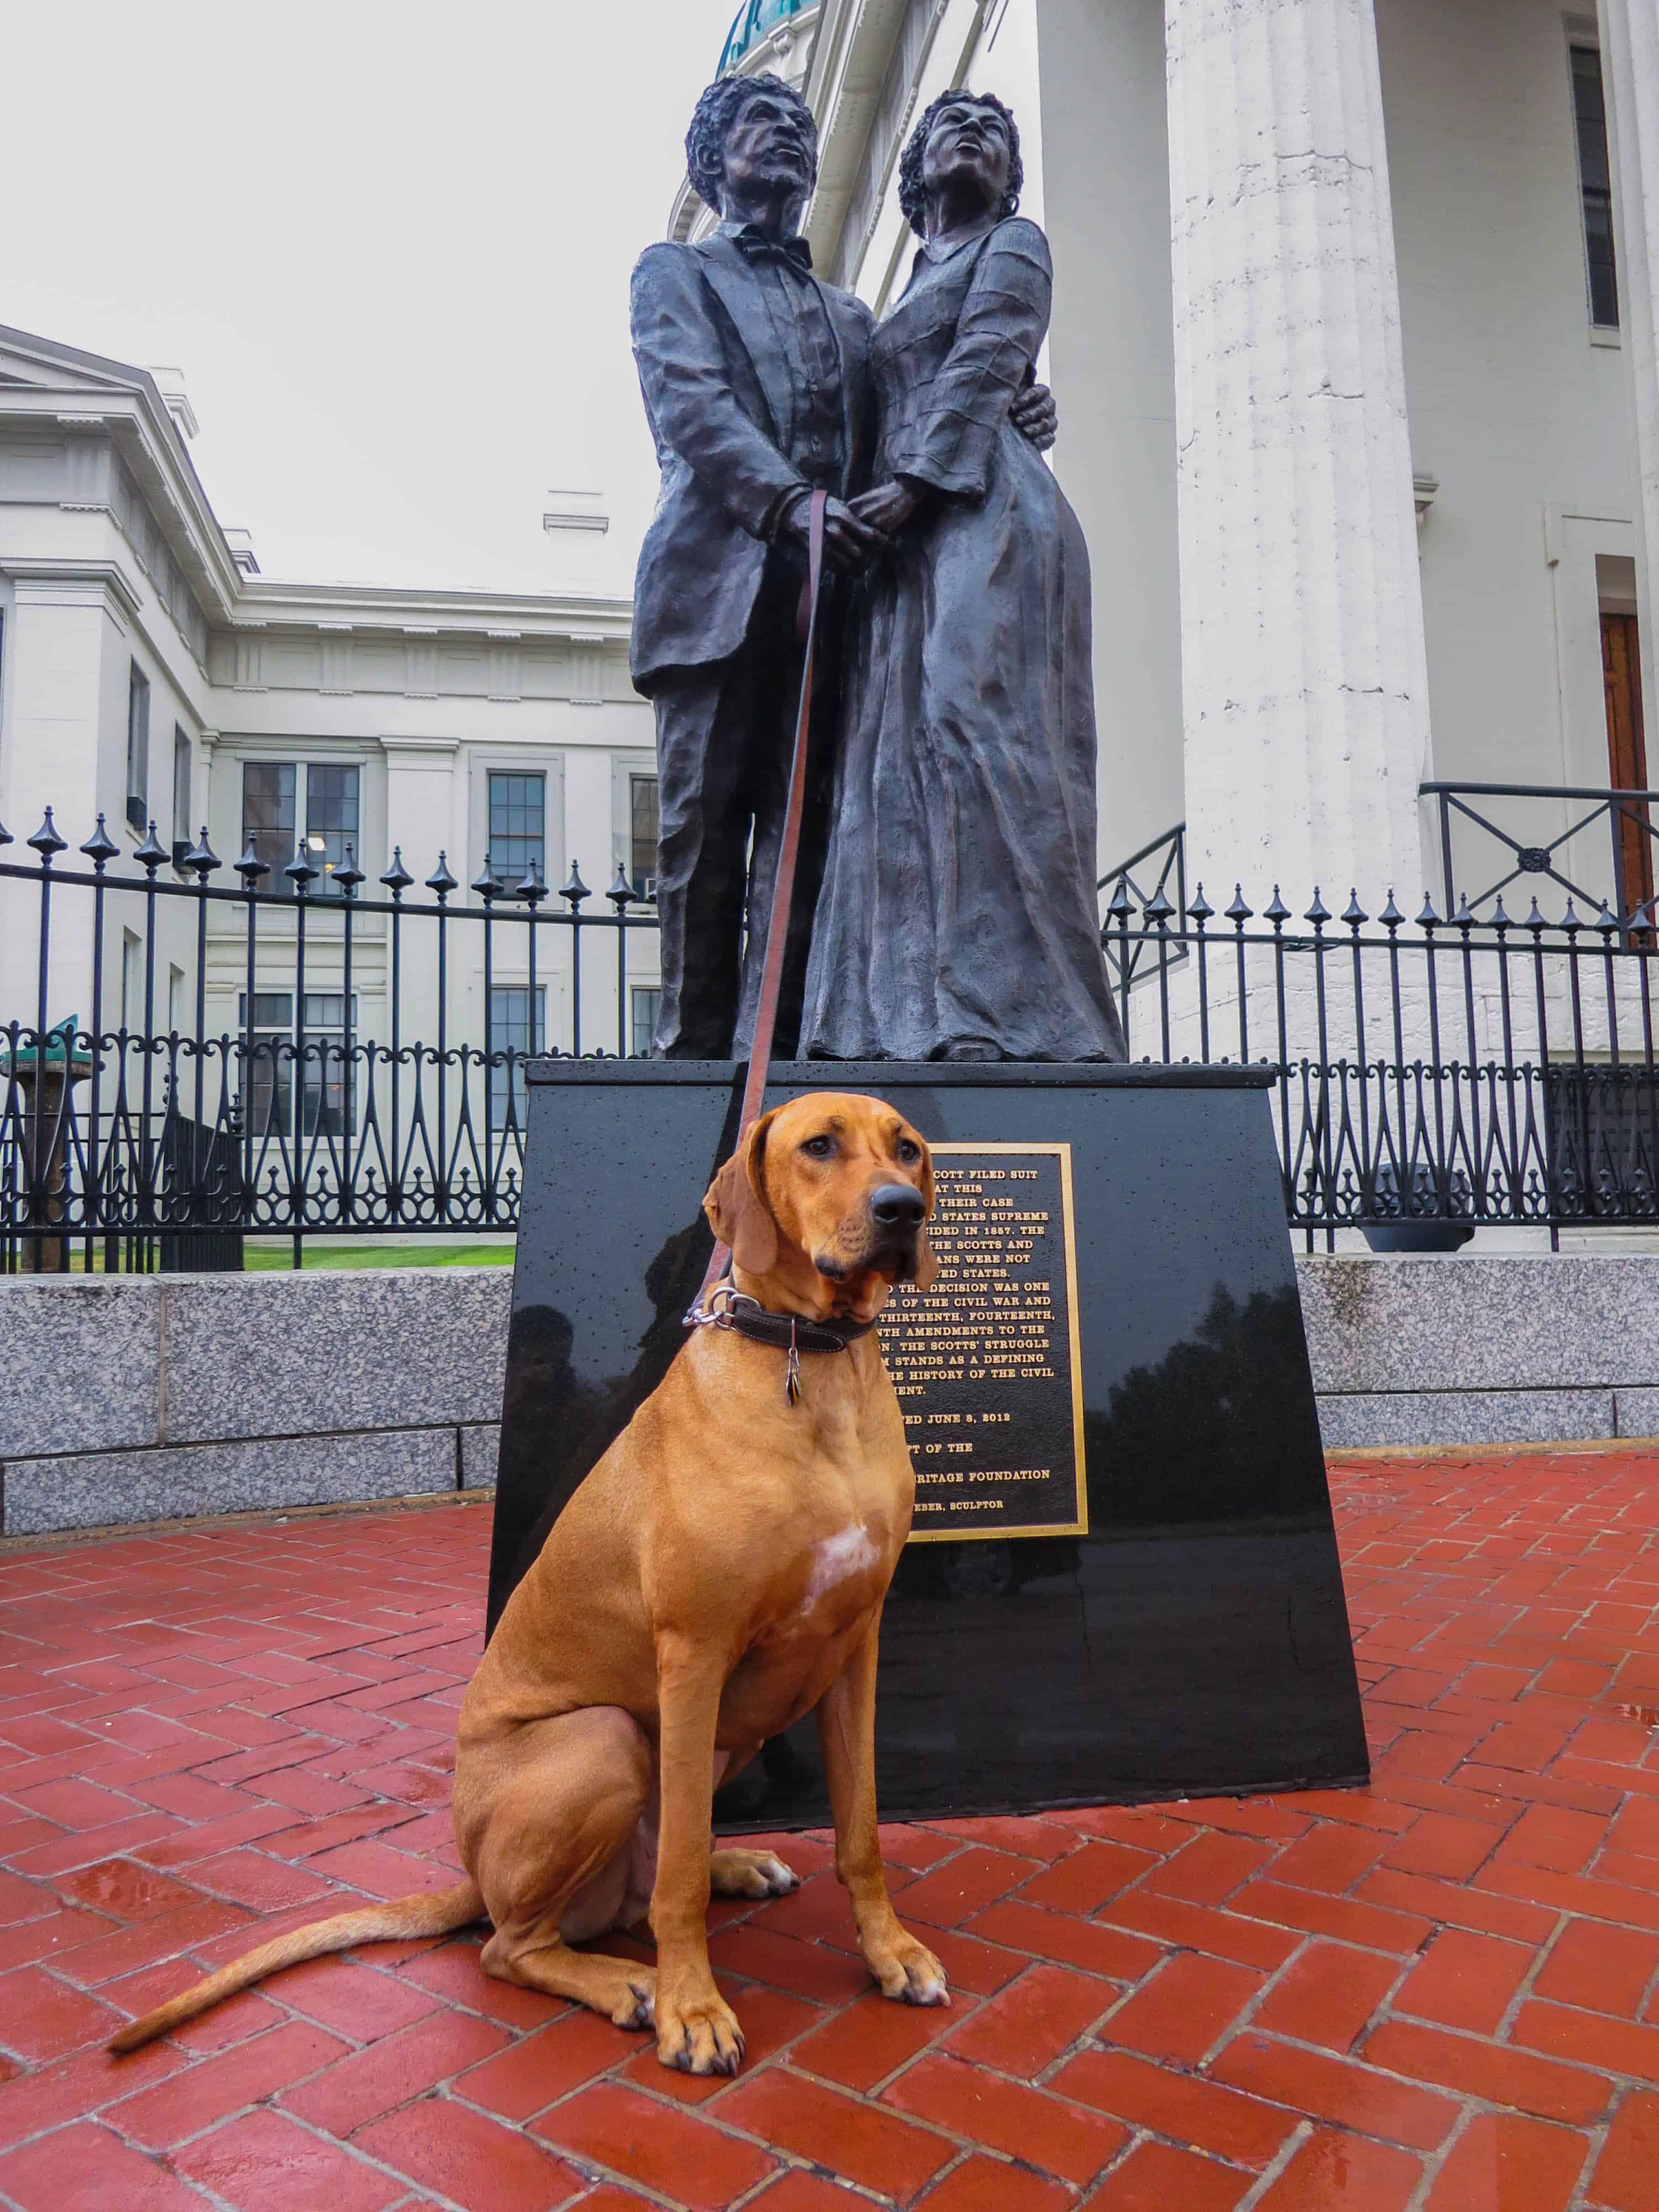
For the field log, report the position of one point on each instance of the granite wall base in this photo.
(105, 1489)
(135, 1398)
(146, 1397)
(1486, 1349)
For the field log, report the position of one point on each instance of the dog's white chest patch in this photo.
(837, 1558)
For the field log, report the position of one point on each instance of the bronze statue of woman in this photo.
(958, 919)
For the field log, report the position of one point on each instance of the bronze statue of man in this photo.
(755, 380)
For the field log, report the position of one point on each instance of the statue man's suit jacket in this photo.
(719, 396)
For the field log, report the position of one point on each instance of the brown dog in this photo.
(719, 1574)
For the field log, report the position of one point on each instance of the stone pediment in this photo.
(46, 365)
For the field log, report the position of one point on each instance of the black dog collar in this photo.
(785, 1332)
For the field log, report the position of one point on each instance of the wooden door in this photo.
(1621, 677)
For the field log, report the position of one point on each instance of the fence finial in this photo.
(101, 848)
(48, 844)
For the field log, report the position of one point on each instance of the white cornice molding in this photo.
(853, 46)
(439, 747)
(95, 581)
(395, 612)
(126, 404)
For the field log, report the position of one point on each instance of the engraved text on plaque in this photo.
(986, 1363)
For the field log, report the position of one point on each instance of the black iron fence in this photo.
(292, 1059)
(1594, 843)
(300, 1058)
(1152, 884)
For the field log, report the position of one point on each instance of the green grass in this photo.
(262, 1256)
(273, 1255)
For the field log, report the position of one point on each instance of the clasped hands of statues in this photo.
(856, 530)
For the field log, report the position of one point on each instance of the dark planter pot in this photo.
(1421, 1236)
(1424, 1232)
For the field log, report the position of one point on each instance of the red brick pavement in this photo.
(1442, 1993)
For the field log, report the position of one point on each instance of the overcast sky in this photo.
(389, 246)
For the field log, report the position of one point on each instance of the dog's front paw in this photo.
(636, 2001)
(907, 1971)
(750, 1874)
(699, 2035)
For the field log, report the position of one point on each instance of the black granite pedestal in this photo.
(1186, 1634)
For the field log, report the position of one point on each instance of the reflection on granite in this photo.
(1215, 1413)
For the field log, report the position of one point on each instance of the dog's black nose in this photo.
(895, 1205)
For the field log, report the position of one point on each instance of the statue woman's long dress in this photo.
(958, 914)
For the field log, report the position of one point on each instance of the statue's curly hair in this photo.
(711, 124)
(909, 183)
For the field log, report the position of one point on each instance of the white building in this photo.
(1360, 403)
(149, 673)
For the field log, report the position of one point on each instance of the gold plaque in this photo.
(987, 1364)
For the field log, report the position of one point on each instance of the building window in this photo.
(132, 982)
(181, 796)
(518, 826)
(510, 1031)
(137, 748)
(271, 1045)
(642, 834)
(268, 812)
(645, 1003)
(278, 794)
(330, 819)
(178, 1021)
(1595, 186)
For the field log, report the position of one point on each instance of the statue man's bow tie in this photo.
(756, 245)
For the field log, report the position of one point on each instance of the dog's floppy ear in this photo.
(736, 1206)
(926, 1265)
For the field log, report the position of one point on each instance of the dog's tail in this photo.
(435, 1913)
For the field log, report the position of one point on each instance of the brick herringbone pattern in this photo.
(1442, 1993)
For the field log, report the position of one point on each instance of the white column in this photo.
(1630, 69)
(1304, 681)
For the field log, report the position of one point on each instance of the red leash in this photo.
(783, 885)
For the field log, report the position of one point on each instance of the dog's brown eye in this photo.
(820, 1148)
(908, 1153)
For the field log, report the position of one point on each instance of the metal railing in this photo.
(333, 1064)
(1472, 843)
(1142, 884)
(128, 1129)
(1444, 1072)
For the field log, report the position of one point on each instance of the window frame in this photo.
(544, 760)
(637, 993)
(318, 1076)
(644, 880)
(137, 799)
(183, 754)
(625, 765)
(512, 875)
(301, 765)
(497, 1091)
(316, 842)
(1583, 39)
(133, 981)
